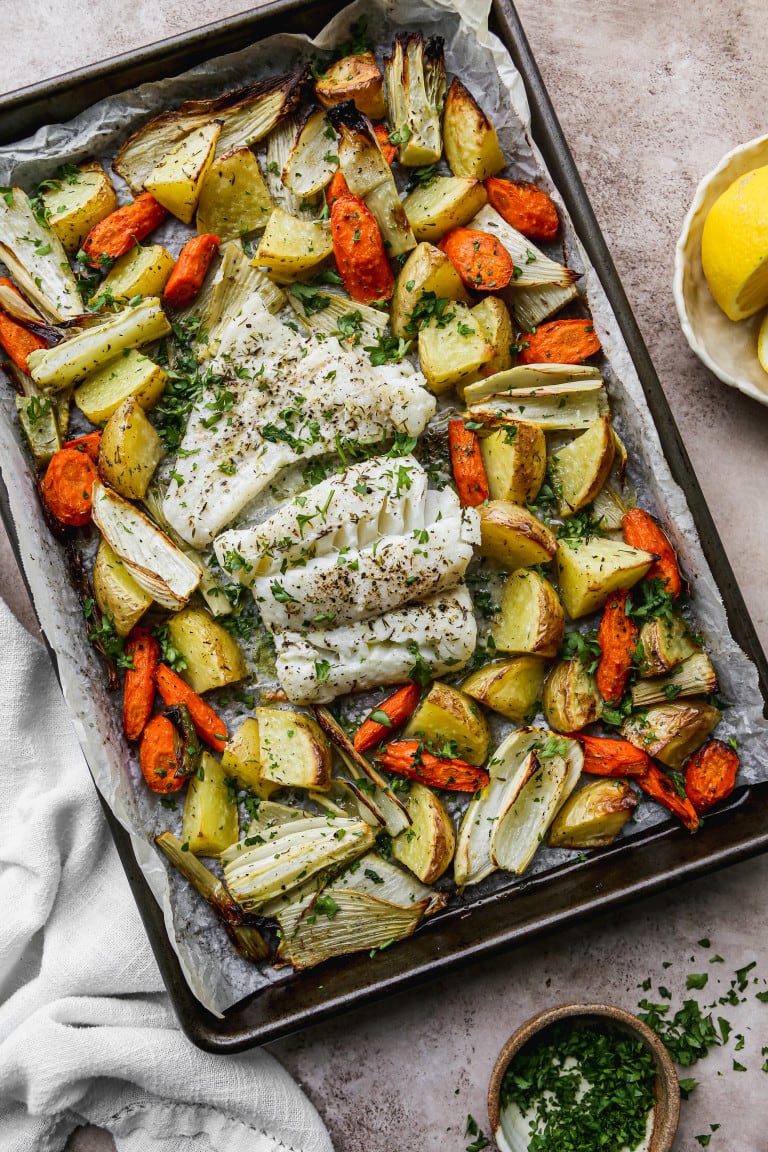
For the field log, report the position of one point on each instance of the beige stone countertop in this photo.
(650, 96)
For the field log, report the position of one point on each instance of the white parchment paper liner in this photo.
(216, 975)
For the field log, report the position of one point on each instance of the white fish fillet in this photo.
(303, 393)
(316, 666)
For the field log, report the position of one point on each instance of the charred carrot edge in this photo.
(117, 233)
(641, 531)
(389, 150)
(559, 342)
(359, 250)
(139, 688)
(189, 271)
(17, 340)
(525, 206)
(398, 707)
(67, 486)
(337, 188)
(88, 444)
(158, 755)
(605, 756)
(407, 758)
(480, 259)
(617, 637)
(174, 690)
(467, 464)
(710, 775)
(660, 788)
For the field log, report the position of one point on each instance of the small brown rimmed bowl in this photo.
(666, 1087)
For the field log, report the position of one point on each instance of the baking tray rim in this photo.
(742, 834)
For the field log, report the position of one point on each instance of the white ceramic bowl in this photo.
(728, 348)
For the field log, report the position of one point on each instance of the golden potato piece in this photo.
(593, 816)
(447, 202)
(290, 247)
(177, 179)
(293, 750)
(571, 698)
(672, 732)
(471, 144)
(530, 619)
(130, 450)
(515, 459)
(209, 822)
(357, 78)
(143, 271)
(115, 591)
(450, 724)
(513, 536)
(427, 269)
(495, 323)
(212, 653)
(234, 198)
(589, 570)
(78, 201)
(581, 468)
(131, 374)
(510, 687)
(427, 847)
(240, 759)
(452, 349)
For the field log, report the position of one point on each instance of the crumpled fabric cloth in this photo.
(86, 1033)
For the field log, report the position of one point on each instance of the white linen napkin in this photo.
(86, 1033)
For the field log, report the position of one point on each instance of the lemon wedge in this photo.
(734, 246)
(762, 343)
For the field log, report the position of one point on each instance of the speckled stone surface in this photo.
(650, 96)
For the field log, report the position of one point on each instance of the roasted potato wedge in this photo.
(240, 760)
(510, 687)
(513, 536)
(672, 732)
(357, 78)
(581, 468)
(78, 201)
(427, 847)
(209, 822)
(515, 459)
(131, 374)
(471, 144)
(450, 723)
(143, 271)
(448, 202)
(177, 179)
(427, 269)
(571, 697)
(290, 247)
(495, 323)
(234, 198)
(130, 450)
(589, 570)
(452, 349)
(212, 654)
(115, 591)
(593, 816)
(293, 750)
(530, 619)
(664, 643)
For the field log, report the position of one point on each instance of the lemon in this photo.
(762, 343)
(734, 246)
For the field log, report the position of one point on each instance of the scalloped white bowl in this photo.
(728, 348)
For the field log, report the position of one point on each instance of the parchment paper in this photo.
(215, 973)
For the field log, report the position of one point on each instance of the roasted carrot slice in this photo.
(660, 787)
(480, 259)
(88, 444)
(467, 464)
(408, 758)
(617, 637)
(391, 713)
(641, 531)
(559, 342)
(158, 755)
(359, 250)
(337, 188)
(15, 339)
(122, 230)
(604, 756)
(525, 206)
(389, 150)
(68, 485)
(139, 688)
(710, 775)
(188, 274)
(208, 725)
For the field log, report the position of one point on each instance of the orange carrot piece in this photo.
(605, 756)
(467, 464)
(526, 207)
(174, 690)
(710, 775)
(659, 786)
(139, 688)
(397, 708)
(186, 279)
(641, 531)
(68, 485)
(389, 150)
(123, 229)
(15, 339)
(158, 755)
(337, 188)
(407, 758)
(88, 444)
(359, 250)
(559, 342)
(617, 637)
(480, 259)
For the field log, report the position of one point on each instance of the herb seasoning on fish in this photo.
(578, 1090)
